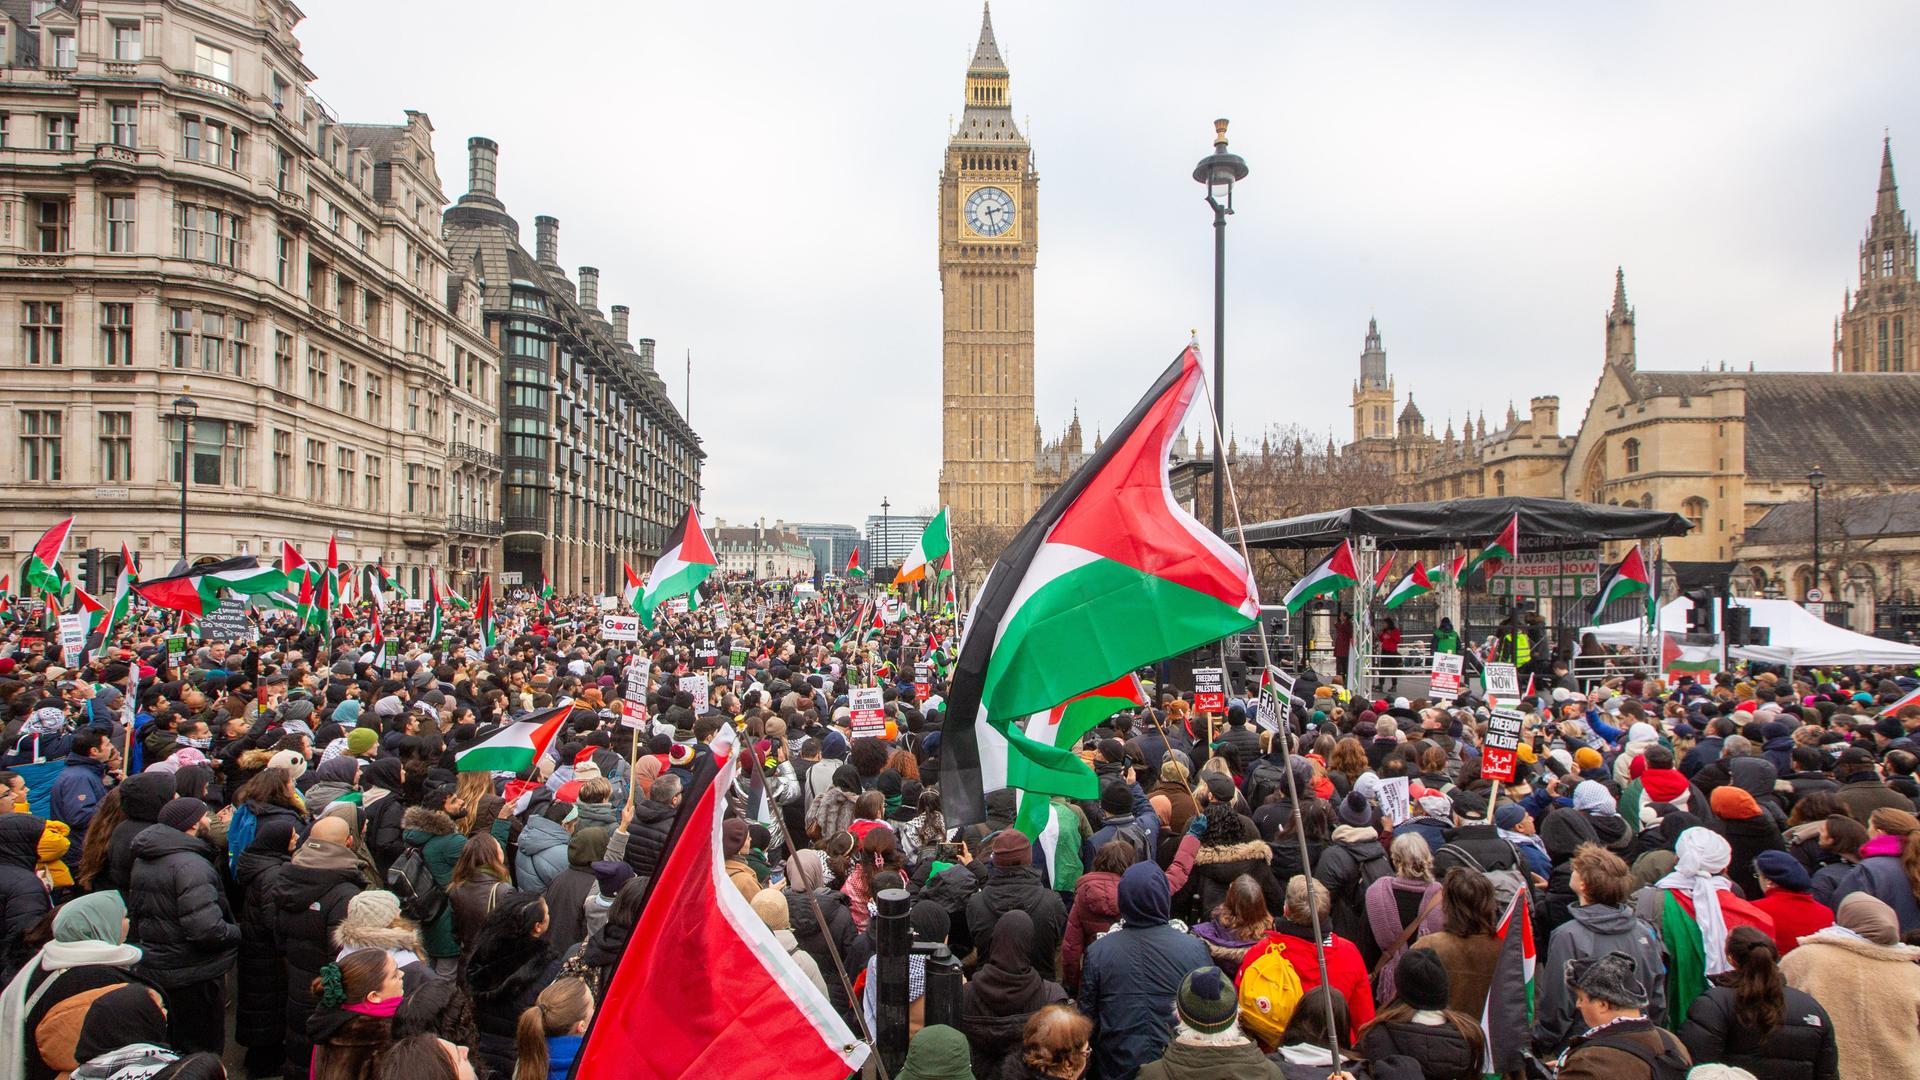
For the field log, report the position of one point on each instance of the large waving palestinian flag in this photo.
(1504, 547)
(515, 747)
(685, 561)
(1414, 584)
(42, 571)
(1110, 575)
(483, 614)
(1335, 572)
(853, 565)
(1623, 579)
(197, 591)
(630, 592)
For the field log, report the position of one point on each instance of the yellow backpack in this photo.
(1269, 992)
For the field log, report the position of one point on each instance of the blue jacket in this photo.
(76, 796)
(1133, 974)
(561, 1050)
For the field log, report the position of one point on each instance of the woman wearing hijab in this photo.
(1869, 984)
(1695, 908)
(43, 1009)
(1003, 994)
(125, 1038)
(259, 1019)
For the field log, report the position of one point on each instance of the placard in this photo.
(701, 690)
(869, 712)
(1502, 682)
(393, 653)
(510, 577)
(228, 622)
(1266, 715)
(607, 603)
(1396, 803)
(177, 646)
(922, 680)
(1449, 670)
(676, 606)
(414, 606)
(633, 714)
(73, 634)
(1209, 690)
(1498, 755)
(619, 627)
(637, 674)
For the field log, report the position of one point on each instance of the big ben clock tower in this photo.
(989, 235)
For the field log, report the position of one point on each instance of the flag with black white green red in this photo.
(1110, 575)
(294, 565)
(1380, 576)
(685, 561)
(1494, 555)
(1623, 579)
(1679, 658)
(196, 591)
(6, 597)
(483, 612)
(1507, 1017)
(1416, 583)
(1330, 575)
(517, 746)
(853, 565)
(43, 564)
(121, 609)
(379, 636)
(436, 608)
(631, 590)
(929, 553)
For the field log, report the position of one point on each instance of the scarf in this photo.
(1700, 873)
(1523, 840)
(45, 721)
(375, 1008)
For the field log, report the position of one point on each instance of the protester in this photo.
(1133, 974)
(1207, 1042)
(1601, 923)
(1750, 1018)
(1620, 1043)
(126, 1037)
(43, 1008)
(1869, 984)
(352, 1023)
(551, 1030)
(1468, 941)
(1054, 1046)
(1004, 994)
(1889, 866)
(1448, 1044)
(1401, 907)
(1787, 899)
(178, 915)
(1292, 940)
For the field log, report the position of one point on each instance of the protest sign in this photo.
(414, 606)
(697, 686)
(1209, 690)
(73, 634)
(633, 714)
(177, 646)
(1396, 805)
(1502, 682)
(617, 627)
(1443, 684)
(922, 680)
(868, 705)
(637, 674)
(228, 622)
(607, 603)
(1503, 739)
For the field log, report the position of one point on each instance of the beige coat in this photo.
(1872, 994)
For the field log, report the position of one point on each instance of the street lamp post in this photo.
(1218, 171)
(1816, 480)
(886, 543)
(184, 409)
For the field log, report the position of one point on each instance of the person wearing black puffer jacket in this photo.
(309, 899)
(651, 826)
(177, 914)
(381, 810)
(1013, 883)
(23, 897)
(259, 1020)
(1752, 1019)
(141, 798)
(512, 962)
(1418, 1025)
(1348, 867)
(1230, 847)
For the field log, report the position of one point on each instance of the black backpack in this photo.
(421, 897)
(1263, 779)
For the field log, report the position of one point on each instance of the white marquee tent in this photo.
(1797, 639)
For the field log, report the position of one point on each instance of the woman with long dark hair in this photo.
(1239, 921)
(1447, 1044)
(480, 879)
(511, 963)
(1752, 1019)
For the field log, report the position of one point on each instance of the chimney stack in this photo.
(621, 316)
(646, 352)
(546, 241)
(483, 166)
(590, 287)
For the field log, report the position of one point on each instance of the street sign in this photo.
(616, 627)
(1816, 608)
(1209, 690)
(1503, 739)
(1449, 670)
(1814, 596)
(1502, 682)
(869, 717)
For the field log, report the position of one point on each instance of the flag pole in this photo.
(1293, 785)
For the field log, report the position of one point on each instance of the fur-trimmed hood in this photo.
(387, 938)
(432, 822)
(254, 760)
(1245, 851)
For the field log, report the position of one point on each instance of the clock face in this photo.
(989, 211)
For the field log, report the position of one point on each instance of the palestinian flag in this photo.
(1678, 658)
(294, 565)
(1414, 584)
(1453, 572)
(1054, 829)
(304, 602)
(379, 636)
(43, 566)
(6, 596)
(1507, 1017)
(929, 551)
(546, 595)
(517, 746)
(739, 1004)
(196, 591)
(685, 561)
(1623, 579)
(1109, 576)
(1911, 697)
(436, 609)
(1063, 726)
(1494, 555)
(630, 592)
(1333, 573)
(1380, 575)
(489, 633)
(122, 607)
(853, 565)
(458, 602)
(85, 603)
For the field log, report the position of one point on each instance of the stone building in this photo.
(762, 551)
(1871, 332)
(179, 217)
(1869, 558)
(598, 464)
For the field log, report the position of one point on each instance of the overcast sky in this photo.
(758, 181)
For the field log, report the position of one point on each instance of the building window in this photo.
(116, 334)
(376, 398)
(123, 123)
(279, 93)
(343, 297)
(283, 260)
(240, 349)
(204, 234)
(213, 340)
(1883, 343)
(1631, 448)
(370, 312)
(40, 444)
(283, 360)
(362, 238)
(51, 220)
(316, 376)
(120, 223)
(316, 281)
(3, 114)
(126, 41)
(1499, 481)
(345, 474)
(216, 452)
(40, 332)
(376, 490)
(413, 408)
(283, 463)
(316, 470)
(116, 447)
(1886, 259)
(282, 169)
(349, 387)
(61, 130)
(65, 54)
(1899, 343)
(211, 59)
(211, 142)
(413, 489)
(1695, 511)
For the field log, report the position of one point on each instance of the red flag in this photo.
(1380, 575)
(704, 989)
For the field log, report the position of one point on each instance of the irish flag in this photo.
(1623, 579)
(853, 565)
(1110, 575)
(685, 561)
(196, 591)
(42, 570)
(930, 551)
(1335, 572)
(630, 592)
(517, 746)
(1678, 658)
(1415, 583)
(1504, 547)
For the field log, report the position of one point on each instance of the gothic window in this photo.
(1899, 343)
(1886, 259)
(1695, 511)
(1631, 450)
(1883, 343)
(1499, 481)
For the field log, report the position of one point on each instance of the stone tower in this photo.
(1373, 398)
(988, 241)
(1619, 326)
(1871, 333)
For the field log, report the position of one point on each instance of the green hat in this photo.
(361, 740)
(1208, 1002)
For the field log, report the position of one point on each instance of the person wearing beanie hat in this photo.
(1586, 758)
(1013, 883)
(183, 814)
(1620, 1042)
(177, 915)
(936, 1052)
(1419, 1025)
(771, 906)
(1206, 1038)
(362, 742)
(1749, 831)
(374, 922)
(293, 761)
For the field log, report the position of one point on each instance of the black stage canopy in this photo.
(1545, 524)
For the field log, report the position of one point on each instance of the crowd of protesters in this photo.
(267, 865)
